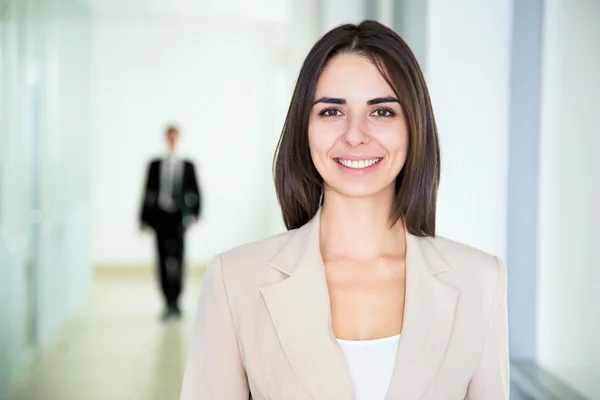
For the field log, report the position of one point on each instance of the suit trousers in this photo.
(170, 248)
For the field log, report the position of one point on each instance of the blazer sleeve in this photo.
(214, 368)
(491, 379)
(144, 215)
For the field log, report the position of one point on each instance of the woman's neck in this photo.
(359, 228)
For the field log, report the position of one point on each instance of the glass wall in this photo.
(44, 263)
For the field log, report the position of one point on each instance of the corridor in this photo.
(116, 347)
(90, 91)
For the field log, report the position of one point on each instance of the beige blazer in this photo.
(263, 325)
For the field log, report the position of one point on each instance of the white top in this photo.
(371, 364)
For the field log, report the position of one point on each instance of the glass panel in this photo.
(4, 94)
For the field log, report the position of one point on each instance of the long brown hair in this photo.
(298, 184)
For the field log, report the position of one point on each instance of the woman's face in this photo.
(357, 132)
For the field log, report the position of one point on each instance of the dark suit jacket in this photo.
(188, 196)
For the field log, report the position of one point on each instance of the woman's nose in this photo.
(355, 134)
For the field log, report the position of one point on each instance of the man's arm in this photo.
(144, 215)
(195, 191)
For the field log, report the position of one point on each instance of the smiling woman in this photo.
(360, 299)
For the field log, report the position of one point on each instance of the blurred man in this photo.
(171, 203)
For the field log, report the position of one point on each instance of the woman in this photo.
(359, 299)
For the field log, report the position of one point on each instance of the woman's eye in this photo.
(383, 113)
(330, 112)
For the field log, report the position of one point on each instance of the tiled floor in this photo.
(116, 349)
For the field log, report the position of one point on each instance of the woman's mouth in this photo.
(358, 164)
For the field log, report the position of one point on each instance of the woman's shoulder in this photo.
(457, 250)
(468, 264)
(263, 249)
(247, 264)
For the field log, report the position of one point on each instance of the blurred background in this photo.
(88, 86)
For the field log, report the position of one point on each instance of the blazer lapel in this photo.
(428, 317)
(299, 306)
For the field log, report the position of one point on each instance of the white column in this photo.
(338, 12)
(411, 21)
(385, 12)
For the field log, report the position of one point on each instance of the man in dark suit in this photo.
(172, 202)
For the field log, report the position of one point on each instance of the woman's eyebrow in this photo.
(330, 100)
(377, 100)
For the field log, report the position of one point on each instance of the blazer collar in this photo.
(304, 242)
(299, 306)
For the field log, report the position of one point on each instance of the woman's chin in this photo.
(357, 191)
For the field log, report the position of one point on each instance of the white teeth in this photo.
(358, 164)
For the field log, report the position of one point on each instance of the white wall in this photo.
(467, 69)
(289, 48)
(569, 277)
(214, 78)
